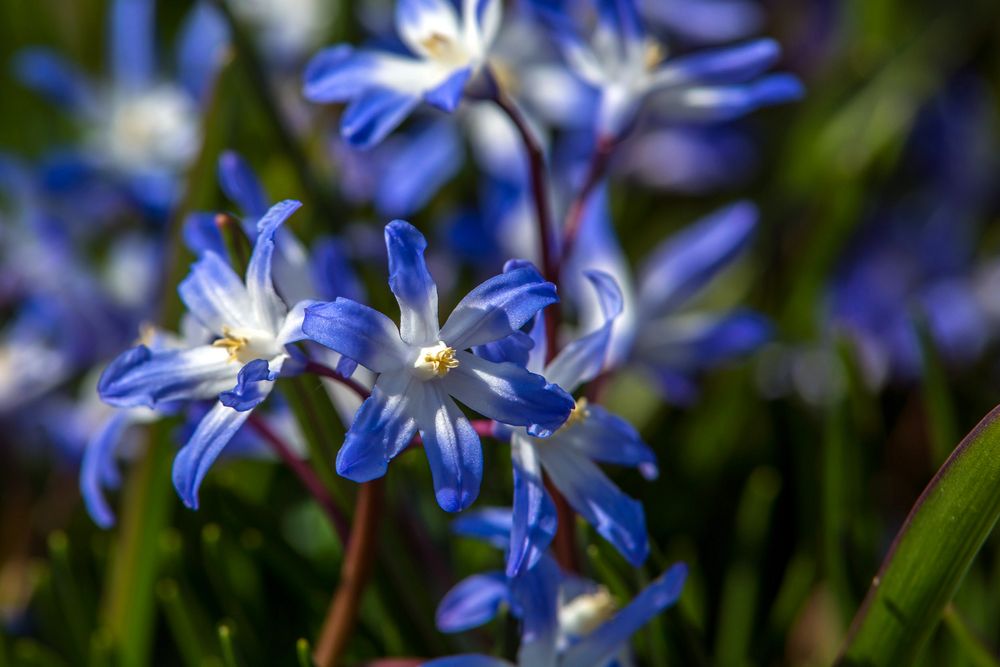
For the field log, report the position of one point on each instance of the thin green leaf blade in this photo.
(930, 555)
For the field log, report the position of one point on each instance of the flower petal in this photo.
(497, 308)
(358, 332)
(418, 21)
(606, 437)
(491, 524)
(132, 55)
(467, 660)
(474, 601)
(447, 95)
(515, 348)
(141, 376)
(685, 262)
(536, 597)
(508, 393)
(603, 644)
(717, 104)
(239, 182)
(581, 360)
(55, 77)
(534, 513)
(215, 295)
(383, 426)
(98, 459)
(412, 284)
(453, 449)
(338, 74)
(404, 190)
(374, 114)
(617, 517)
(191, 465)
(201, 234)
(734, 64)
(698, 341)
(253, 384)
(268, 308)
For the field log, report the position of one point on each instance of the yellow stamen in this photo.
(436, 44)
(654, 55)
(231, 343)
(580, 412)
(441, 361)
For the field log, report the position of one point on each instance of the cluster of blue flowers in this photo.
(556, 101)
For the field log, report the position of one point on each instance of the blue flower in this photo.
(253, 326)
(422, 365)
(143, 127)
(592, 434)
(448, 50)
(627, 67)
(660, 332)
(565, 621)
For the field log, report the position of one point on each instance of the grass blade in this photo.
(930, 555)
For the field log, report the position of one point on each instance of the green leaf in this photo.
(930, 555)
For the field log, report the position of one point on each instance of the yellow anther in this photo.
(231, 343)
(580, 412)
(654, 55)
(441, 361)
(585, 613)
(436, 44)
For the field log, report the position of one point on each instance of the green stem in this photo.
(972, 647)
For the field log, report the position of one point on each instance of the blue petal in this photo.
(608, 438)
(467, 660)
(55, 77)
(733, 64)
(98, 465)
(491, 524)
(515, 348)
(508, 393)
(453, 449)
(132, 44)
(474, 601)
(268, 308)
(724, 103)
(403, 190)
(681, 345)
(497, 308)
(447, 95)
(622, 17)
(581, 360)
(201, 46)
(144, 377)
(216, 296)
(597, 648)
(382, 428)
(338, 74)
(250, 387)
(374, 114)
(191, 465)
(412, 284)
(708, 22)
(534, 514)
(332, 273)
(617, 517)
(688, 260)
(201, 235)
(358, 332)
(536, 598)
(241, 185)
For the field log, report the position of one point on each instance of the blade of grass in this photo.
(971, 646)
(930, 555)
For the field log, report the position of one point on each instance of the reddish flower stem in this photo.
(595, 174)
(317, 368)
(355, 572)
(306, 476)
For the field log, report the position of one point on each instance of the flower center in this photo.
(585, 613)
(245, 346)
(435, 361)
(444, 49)
(579, 413)
(654, 55)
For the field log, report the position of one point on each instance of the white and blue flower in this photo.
(448, 49)
(628, 67)
(253, 325)
(421, 366)
(568, 458)
(565, 621)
